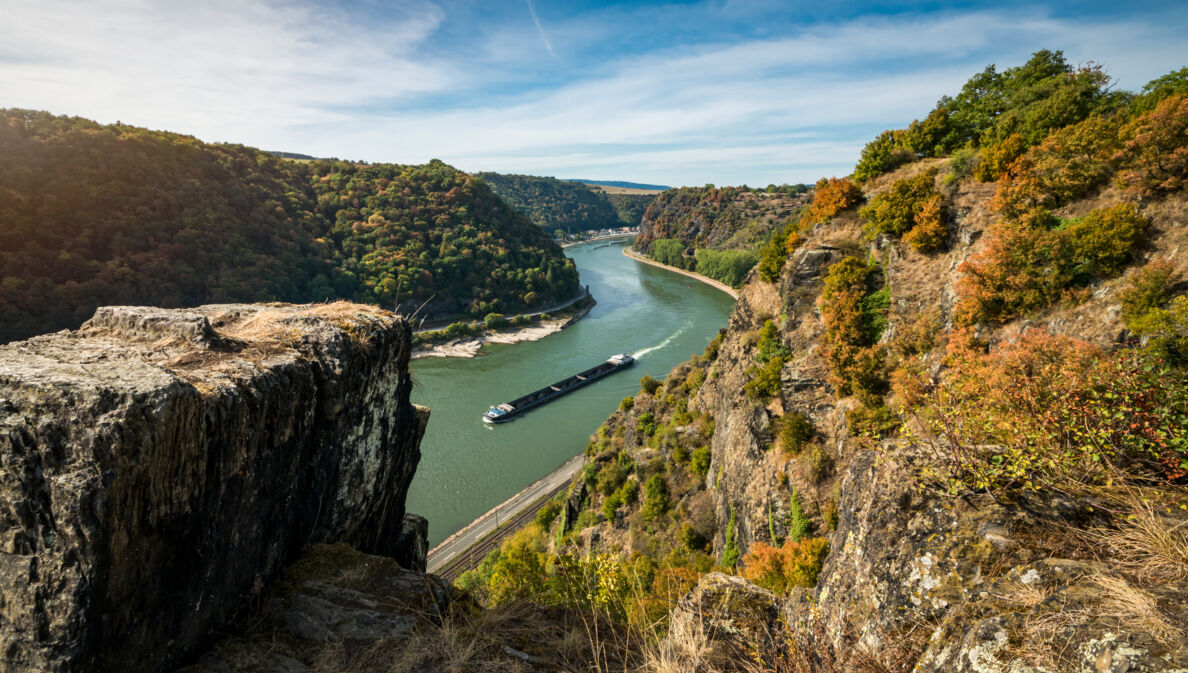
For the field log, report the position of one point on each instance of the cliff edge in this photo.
(160, 468)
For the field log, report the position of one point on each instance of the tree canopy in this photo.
(93, 214)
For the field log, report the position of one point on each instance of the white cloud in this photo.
(286, 75)
(221, 69)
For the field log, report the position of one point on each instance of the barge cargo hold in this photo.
(501, 413)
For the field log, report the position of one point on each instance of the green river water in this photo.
(468, 466)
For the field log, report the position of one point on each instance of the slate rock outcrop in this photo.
(160, 468)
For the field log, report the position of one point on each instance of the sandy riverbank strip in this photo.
(469, 346)
(708, 281)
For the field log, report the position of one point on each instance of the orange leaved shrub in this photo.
(1052, 412)
(779, 569)
(832, 196)
(998, 157)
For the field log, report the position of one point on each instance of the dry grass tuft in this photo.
(1135, 607)
(514, 638)
(1043, 641)
(1147, 544)
(688, 647)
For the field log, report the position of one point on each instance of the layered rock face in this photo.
(160, 467)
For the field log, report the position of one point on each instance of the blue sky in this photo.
(679, 93)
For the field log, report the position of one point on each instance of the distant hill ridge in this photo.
(568, 206)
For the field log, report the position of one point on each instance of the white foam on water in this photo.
(662, 344)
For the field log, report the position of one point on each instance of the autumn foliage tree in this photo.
(1034, 261)
(1066, 165)
(832, 196)
(852, 327)
(115, 214)
(1154, 156)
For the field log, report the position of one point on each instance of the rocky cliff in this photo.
(160, 467)
(1027, 579)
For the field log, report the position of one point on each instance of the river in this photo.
(468, 466)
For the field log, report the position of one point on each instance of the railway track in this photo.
(469, 559)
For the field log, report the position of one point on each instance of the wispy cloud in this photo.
(222, 69)
(544, 37)
(790, 102)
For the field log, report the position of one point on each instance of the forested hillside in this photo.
(716, 231)
(93, 214)
(566, 205)
(945, 425)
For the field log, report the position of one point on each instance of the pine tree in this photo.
(800, 524)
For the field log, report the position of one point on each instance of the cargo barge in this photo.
(501, 413)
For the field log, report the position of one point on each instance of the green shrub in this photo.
(547, 514)
(626, 404)
(853, 305)
(1167, 332)
(881, 155)
(909, 205)
(645, 424)
(963, 163)
(1149, 289)
(1031, 263)
(799, 524)
(1104, 240)
(730, 552)
(772, 256)
(795, 430)
(997, 157)
(649, 384)
(590, 474)
(655, 497)
(585, 519)
(876, 421)
(613, 473)
(690, 539)
(610, 505)
(711, 349)
(700, 463)
(628, 493)
(893, 212)
(764, 382)
(680, 454)
(495, 321)
(771, 345)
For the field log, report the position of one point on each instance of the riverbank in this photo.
(469, 346)
(708, 281)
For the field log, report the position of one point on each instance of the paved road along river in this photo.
(467, 466)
